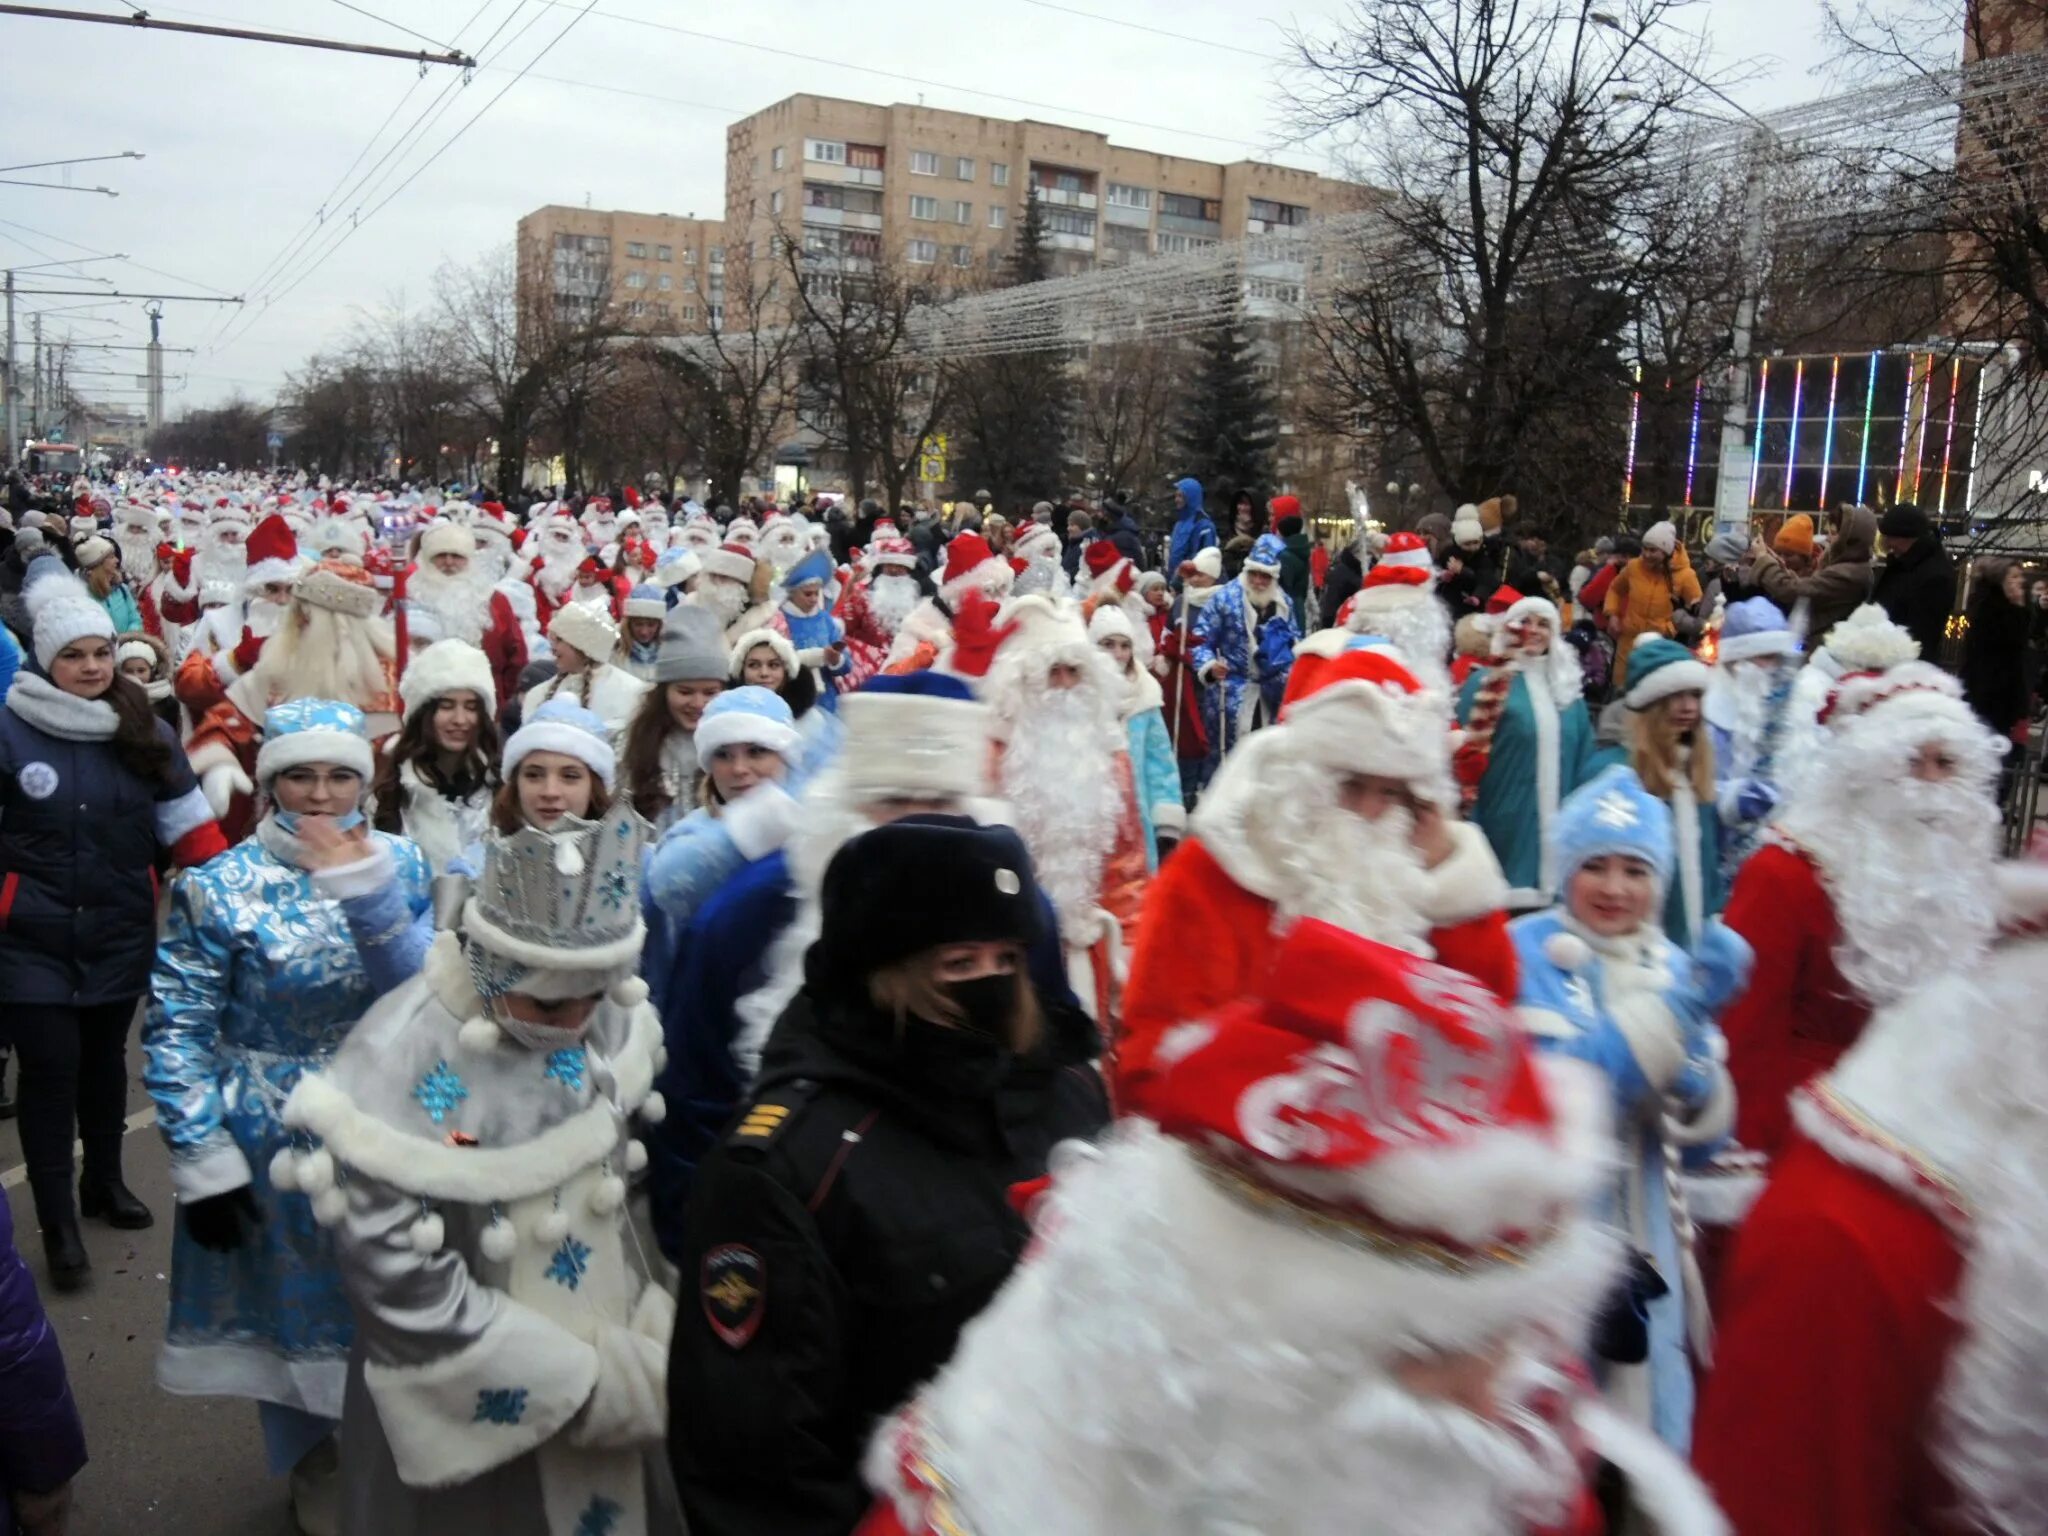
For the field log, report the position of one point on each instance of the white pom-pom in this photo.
(661, 1058)
(316, 1113)
(608, 1195)
(553, 1227)
(330, 1207)
(478, 1035)
(284, 1171)
(427, 1234)
(630, 993)
(499, 1241)
(316, 1171)
(654, 1109)
(1566, 951)
(568, 856)
(636, 1156)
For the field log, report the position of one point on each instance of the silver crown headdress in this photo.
(565, 900)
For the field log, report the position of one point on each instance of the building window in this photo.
(664, 282)
(998, 174)
(829, 151)
(924, 162)
(1176, 245)
(775, 158)
(661, 311)
(923, 252)
(864, 157)
(717, 316)
(718, 255)
(998, 215)
(1128, 237)
(689, 257)
(636, 279)
(963, 213)
(963, 255)
(689, 312)
(963, 169)
(664, 253)
(1278, 213)
(775, 202)
(1068, 221)
(924, 207)
(1121, 196)
(1178, 206)
(636, 251)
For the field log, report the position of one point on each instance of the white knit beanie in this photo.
(591, 632)
(63, 610)
(447, 666)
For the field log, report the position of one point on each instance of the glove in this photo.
(181, 567)
(166, 553)
(222, 1222)
(247, 650)
(1755, 800)
(977, 636)
(221, 783)
(629, 1404)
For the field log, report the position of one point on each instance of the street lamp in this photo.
(1731, 490)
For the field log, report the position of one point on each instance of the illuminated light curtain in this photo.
(1976, 437)
(1756, 458)
(1692, 447)
(1635, 409)
(1863, 448)
(1926, 410)
(1948, 447)
(1792, 438)
(1827, 447)
(1905, 428)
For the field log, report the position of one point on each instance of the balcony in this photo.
(1268, 227)
(1130, 218)
(1174, 223)
(1063, 242)
(841, 175)
(1059, 199)
(840, 218)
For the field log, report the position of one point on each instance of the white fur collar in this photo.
(1143, 693)
(42, 704)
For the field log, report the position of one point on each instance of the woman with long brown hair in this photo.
(1674, 757)
(93, 786)
(658, 761)
(435, 778)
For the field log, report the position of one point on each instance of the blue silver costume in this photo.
(1256, 648)
(257, 979)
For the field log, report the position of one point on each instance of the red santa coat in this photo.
(1832, 1335)
(1184, 725)
(867, 643)
(1204, 940)
(1799, 1015)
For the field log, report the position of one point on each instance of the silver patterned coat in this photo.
(511, 1357)
(256, 979)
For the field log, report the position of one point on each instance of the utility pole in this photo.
(1731, 490)
(155, 369)
(35, 373)
(13, 391)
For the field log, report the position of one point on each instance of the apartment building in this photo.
(945, 190)
(655, 271)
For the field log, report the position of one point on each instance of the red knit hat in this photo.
(971, 563)
(1504, 597)
(273, 552)
(1382, 1068)
(1101, 555)
(1406, 563)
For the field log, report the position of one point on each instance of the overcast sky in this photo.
(246, 141)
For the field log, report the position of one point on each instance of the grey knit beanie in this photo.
(692, 647)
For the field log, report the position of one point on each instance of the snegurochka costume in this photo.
(511, 1359)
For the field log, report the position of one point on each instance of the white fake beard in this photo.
(138, 556)
(1059, 776)
(1126, 1383)
(1364, 876)
(458, 603)
(784, 549)
(492, 560)
(598, 597)
(1421, 631)
(724, 597)
(1908, 864)
(222, 562)
(700, 539)
(890, 599)
(333, 656)
(262, 616)
(557, 570)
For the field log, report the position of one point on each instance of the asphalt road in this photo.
(184, 1465)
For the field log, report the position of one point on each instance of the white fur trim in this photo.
(1466, 885)
(733, 726)
(582, 626)
(624, 950)
(1721, 1199)
(370, 873)
(1688, 676)
(732, 564)
(1764, 642)
(213, 1171)
(448, 666)
(446, 538)
(992, 572)
(343, 749)
(774, 640)
(2022, 892)
(909, 745)
(762, 820)
(1660, 1486)
(594, 752)
(430, 1415)
(187, 813)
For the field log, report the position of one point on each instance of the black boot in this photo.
(63, 1247)
(101, 1194)
(107, 1199)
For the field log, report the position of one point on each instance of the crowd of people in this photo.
(772, 1023)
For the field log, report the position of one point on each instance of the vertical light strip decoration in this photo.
(1948, 447)
(1976, 437)
(1905, 428)
(1635, 411)
(1920, 443)
(1692, 447)
(1863, 448)
(1792, 437)
(1827, 447)
(1756, 458)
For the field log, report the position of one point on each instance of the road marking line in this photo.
(19, 1173)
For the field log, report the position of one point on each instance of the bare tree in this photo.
(331, 408)
(499, 356)
(1484, 317)
(1129, 392)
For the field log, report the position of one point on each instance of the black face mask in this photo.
(987, 1004)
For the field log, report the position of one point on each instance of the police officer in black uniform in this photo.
(857, 1215)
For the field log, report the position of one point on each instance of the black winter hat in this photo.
(1904, 521)
(917, 883)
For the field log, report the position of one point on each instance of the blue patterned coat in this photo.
(257, 978)
(1225, 631)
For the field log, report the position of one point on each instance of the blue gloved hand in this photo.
(1755, 800)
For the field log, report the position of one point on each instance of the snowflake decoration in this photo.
(566, 1066)
(616, 886)
(439, 1092)
(500, 1405)
(601, 1518)
(569, 1263)
(1615, 810)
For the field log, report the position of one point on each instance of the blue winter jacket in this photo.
(42, 1441)
(1192, 530)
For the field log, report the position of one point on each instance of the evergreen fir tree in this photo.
(1228, 426)
(1011, 410)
